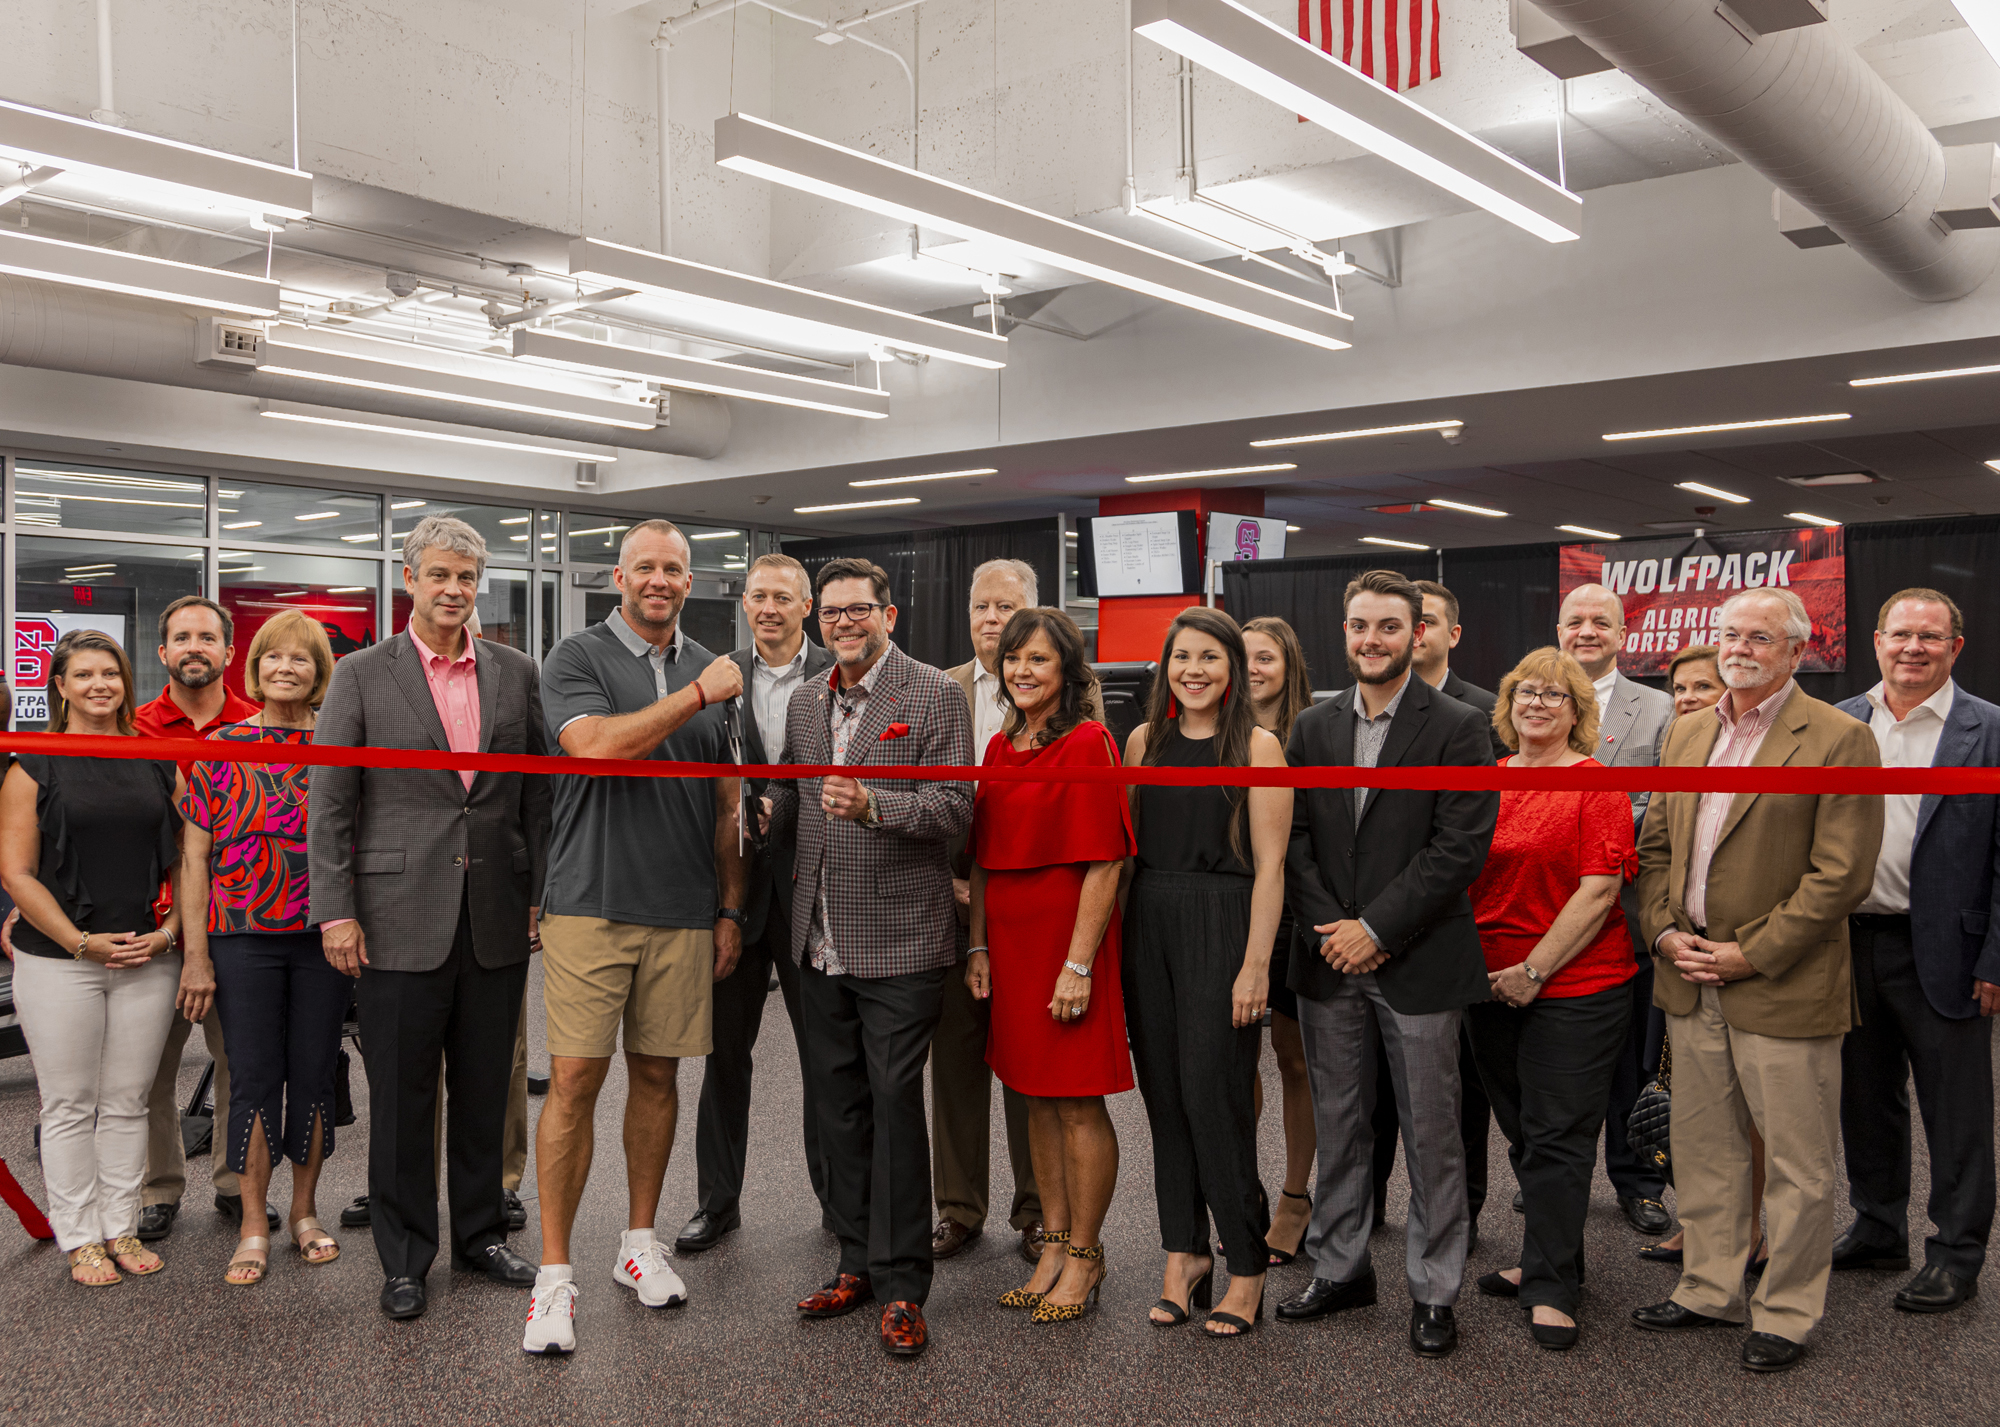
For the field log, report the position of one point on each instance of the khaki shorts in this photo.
(658, 980)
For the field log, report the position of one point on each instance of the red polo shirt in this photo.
(163, 718)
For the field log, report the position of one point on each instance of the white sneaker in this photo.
(551, 1319)
(646, 1269)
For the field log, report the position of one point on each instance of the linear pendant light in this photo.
(818, 318)
(107, 270)
(1268, 60)
(431, 431)
(144, 166)
(766, 150)
(698, 374)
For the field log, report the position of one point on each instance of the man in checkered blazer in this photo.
(875, 935)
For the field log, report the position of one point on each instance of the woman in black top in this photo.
(86, 846)
(1206, 896)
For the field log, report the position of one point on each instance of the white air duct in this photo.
(1803, 109)
(102, 334)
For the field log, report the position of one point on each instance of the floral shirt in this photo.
(256, 813)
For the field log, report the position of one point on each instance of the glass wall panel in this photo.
(593, 539)
(59, 495)
(548, 524)
(502, 603)
(296, 515)
(551, 605)
(723, 550)
(341, 594)
(504, 528)
(73, 584)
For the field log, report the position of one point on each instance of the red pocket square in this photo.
(894, 730)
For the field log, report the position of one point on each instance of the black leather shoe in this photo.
(1556, 1337)
(705, 1231)
(156, 1221)
(517, 1212)
(1648, 1216)
(1935, 1289)
(499, 1263)
(1520, 1202)
(1852, 1252)
(1666, 1317)
(1498, 1285)
(230, 1206)
(355, 1215)
(404, 1298)
(1767, 1352)
(1433, 1330)
(1323, 1296)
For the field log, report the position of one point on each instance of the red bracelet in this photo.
(698, 693)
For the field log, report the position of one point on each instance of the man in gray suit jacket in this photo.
(1632, 723)
(426, 885)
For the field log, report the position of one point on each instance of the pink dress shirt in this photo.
(1736, 748)
(455, 690)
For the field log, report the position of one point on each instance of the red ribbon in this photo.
(1805, 781)
(16, 1198)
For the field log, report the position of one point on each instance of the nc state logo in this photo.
(1249, 535)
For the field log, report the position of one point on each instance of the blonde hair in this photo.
(1550, 666)
(294, 629)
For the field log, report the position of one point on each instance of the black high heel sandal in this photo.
(1230, 1320)
(1278, 1258)
(1201, 1293)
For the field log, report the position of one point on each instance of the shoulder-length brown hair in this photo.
(77, 641)
(294, 629)
(1235, 722)
(1553, 668)
(1067, 640)
(1297, 696)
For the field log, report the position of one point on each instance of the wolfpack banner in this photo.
(1673, 589)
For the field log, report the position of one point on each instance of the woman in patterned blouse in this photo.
(244, 890)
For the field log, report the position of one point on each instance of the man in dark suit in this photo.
(1926, 948)
(874, 936)
(426, 884)
(777, 597)
(1398, 956)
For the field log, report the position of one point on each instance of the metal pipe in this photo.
(870, 16)
(663, 54)
(1131, 194)
(106, 111)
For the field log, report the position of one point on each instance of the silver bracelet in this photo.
(1078, 967)
(1533, 975)
(971, 949)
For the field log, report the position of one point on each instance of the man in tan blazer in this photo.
(1744, 899)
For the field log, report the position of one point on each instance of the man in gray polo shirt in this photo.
(642, 911)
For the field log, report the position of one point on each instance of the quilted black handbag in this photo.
(1646, 1129)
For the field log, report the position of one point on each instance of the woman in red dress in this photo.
(1558, 958)
(1045, 863)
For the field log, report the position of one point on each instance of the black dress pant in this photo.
(1900, 1037)
(465, 1013)
(866, 1045)
(1475, 1125)
(1630, 1176)
(1183, 947)
(722, 1124)
(1547, 1069)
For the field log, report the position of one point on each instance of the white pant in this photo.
(96, 1036)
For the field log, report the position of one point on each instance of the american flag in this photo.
(1408, 44)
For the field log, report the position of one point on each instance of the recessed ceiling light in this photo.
(1924, 376)
(242, 524)
(1811, 519)
(1726, 426)
(1461, 505)
(1441, 427)
(1838, 478)
(1586, 530)
(1699, 489)
(1399, 544)
(357, 539)
(413, 504)
(1218, 471)
(349, 589)
(319, 515)
(717, 534)
(855, 505)
(509, 520)
(1291, 530)
(932, 476)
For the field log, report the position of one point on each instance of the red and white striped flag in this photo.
(1389, 40)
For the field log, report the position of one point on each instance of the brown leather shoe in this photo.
(903, 1331)
(839, 1296)
(949, 1237)
(1031, 1242)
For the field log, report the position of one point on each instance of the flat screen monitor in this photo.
(1157, 553)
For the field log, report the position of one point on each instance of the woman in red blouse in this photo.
(1558, 957)
(1045, 863)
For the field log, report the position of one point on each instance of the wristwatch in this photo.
(730, 914)
(1533, 975)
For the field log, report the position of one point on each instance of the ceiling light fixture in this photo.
(320, 515)
(1291, 530)
(929, 476)
(1587, 530)
(1726, 426)
(1399, 544)
(717, 535)
(425, 430)
(813, 318)
(1811, 519)
(702, 374)
(406, 504)
(1443, 428)
(357, 539)
(350, 589)
(242, 524)
(1461, 505)
(785, 156)
(1925, 376)
(855, 505)
(1270, 61)
(107, 270)
(1218, 471)
(1699, 489)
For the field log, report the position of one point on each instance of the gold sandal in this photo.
(253, 1244)
(1027, 1297)
(301, 1228)
(127, 1247)
(93, 1256)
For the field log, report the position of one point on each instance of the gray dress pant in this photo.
(1341, 1034)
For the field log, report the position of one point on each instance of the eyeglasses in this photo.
(1547, 698)
(1928, 640)
(831, 614)
(1755, 641)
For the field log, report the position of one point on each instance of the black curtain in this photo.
(1506, 605)
(1306, 594)
(930, 576)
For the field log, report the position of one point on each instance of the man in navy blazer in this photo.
(1926, 948)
